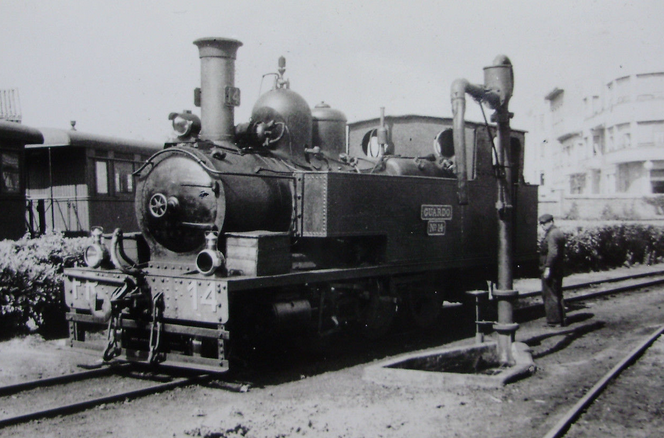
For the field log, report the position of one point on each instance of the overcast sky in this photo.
(119, 67)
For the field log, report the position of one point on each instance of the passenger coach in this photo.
(77, 180)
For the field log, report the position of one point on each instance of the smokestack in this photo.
(218, 94)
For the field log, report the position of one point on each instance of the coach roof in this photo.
(18, 132)
(60, 137)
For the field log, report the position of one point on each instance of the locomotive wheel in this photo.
(378, 309)
(425, 304)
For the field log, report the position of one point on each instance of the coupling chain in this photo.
(156, 328)
(114, 333)
(115, 322)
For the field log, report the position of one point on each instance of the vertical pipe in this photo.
(459, 89)
(505, 250)
(505, 327)
(50, 183)
(381, 132)
(499, 81)
(218, 87)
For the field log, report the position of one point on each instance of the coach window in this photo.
(101, 176)
(10, 172)
(123, 167)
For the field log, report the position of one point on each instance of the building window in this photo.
(623, 136)
(626, 140)
(597, 105)
(10, 172)
(124, 182)
(650, 134)
(622, 90)
(659, 139)
(101, 177)
(650, 86)
(577, 183)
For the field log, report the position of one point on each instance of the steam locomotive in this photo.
(273, 226)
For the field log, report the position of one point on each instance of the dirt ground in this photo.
(313, 400)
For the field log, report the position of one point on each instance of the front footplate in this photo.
(170, 321)
(194, 345)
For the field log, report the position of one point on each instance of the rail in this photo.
(587, 284)
(50, 381)
(573, 414)
(91, 402)
(210, 380)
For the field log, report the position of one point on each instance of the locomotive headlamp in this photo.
(97, 253)
(210, 259)
(185, 124)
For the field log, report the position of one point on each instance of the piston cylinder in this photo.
(292, 315)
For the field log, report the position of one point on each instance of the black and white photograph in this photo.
(335, 219)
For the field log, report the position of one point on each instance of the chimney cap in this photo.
(217, 47)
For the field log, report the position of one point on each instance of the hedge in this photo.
(31, 270)
(31, 283)
(602, 247)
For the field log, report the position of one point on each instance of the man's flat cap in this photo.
(545, 218)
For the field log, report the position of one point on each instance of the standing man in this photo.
(552, 254)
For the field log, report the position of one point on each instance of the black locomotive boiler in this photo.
(272, 226)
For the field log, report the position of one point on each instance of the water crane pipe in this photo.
(496, 92)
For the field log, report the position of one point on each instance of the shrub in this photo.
(611, 246)
(31, 282)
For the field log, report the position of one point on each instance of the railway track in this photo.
(593, 289)
(589, 290)
(140, 383)
(573, 414)
(45, 396)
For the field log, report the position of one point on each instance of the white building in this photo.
(601, 153)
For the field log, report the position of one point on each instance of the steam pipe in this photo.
(459, 89)
(381, 132)
(218, 92)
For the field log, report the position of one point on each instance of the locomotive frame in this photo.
(275, 226)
